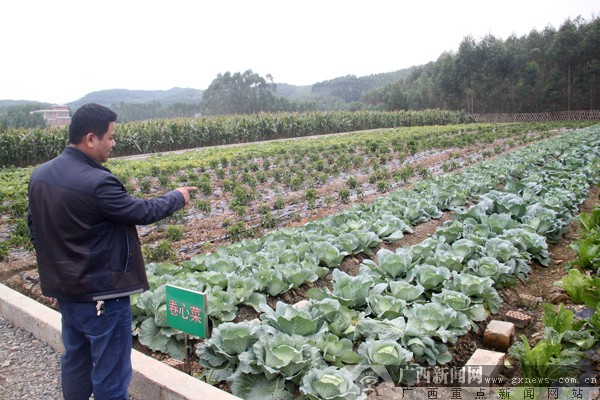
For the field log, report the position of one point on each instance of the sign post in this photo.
(186, 311)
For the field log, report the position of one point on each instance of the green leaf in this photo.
(154, 338)
(561, 320)
(258, 387)
(337, 351)
(582, 288)
(329, 384)
(293, 320)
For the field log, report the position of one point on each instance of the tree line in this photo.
(21, 116)
(548, 70)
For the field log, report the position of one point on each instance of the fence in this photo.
(580, 115)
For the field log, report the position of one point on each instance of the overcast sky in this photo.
(57, 51)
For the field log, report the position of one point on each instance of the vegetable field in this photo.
(401, 242)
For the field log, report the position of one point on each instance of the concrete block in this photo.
(483, 364)
(498, 335)
(41, 321)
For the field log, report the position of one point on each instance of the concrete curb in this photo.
(152, 379)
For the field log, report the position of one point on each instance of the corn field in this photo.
(30, 147)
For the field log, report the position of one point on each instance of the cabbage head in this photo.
(330, 383)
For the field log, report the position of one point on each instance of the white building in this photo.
(56, 116)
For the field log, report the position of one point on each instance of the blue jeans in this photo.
(97, 355)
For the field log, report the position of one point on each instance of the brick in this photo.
(498, 335)
(521, 320)
(177, 364)
(529, 301)
(490, 362)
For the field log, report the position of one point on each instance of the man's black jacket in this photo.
(83, 227)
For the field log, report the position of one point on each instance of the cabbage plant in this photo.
(436, 320)
(330, 383)
(392, 355)
(282, 355)
(430, 276)
(385, 306)
(353, 291)
(427, 350)
(341, 320)
(479, 289)
(336, 351)
(529, 244)
(227, 342)
(293, 320)
(392, 264)
(386, 329)
(259, 387)
(502, 274)
(409, 292)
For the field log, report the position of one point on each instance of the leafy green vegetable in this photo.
(352, 291)
(336, 351)
(390, 354)
(582, 288)
(259, 387)
(426, 349)
(529, 244)
(459, 301)
(479, 289)
(406, 291)
(386, 306)
(436, 320)
(330, 383)
(392, 264)
(387, 329)
(282, 355)
(222, 305)
(293, 320)
(546, 362)
(588, 247)
(164, 340)
(227, 342)
(431, 277)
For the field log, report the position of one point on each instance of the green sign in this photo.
(186, 311)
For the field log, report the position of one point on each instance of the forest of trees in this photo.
(19, 116)
(551, 70)
(238, 93)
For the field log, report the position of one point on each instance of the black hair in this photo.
(93, 118)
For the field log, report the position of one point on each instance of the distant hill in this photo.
(293, 92)
(117, 96)
(350, 88)
(333, 87)
(339, 87)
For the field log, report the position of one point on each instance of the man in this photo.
(83, 227)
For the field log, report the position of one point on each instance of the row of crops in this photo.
(29, 147)
(287, 161)
(404, 307)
